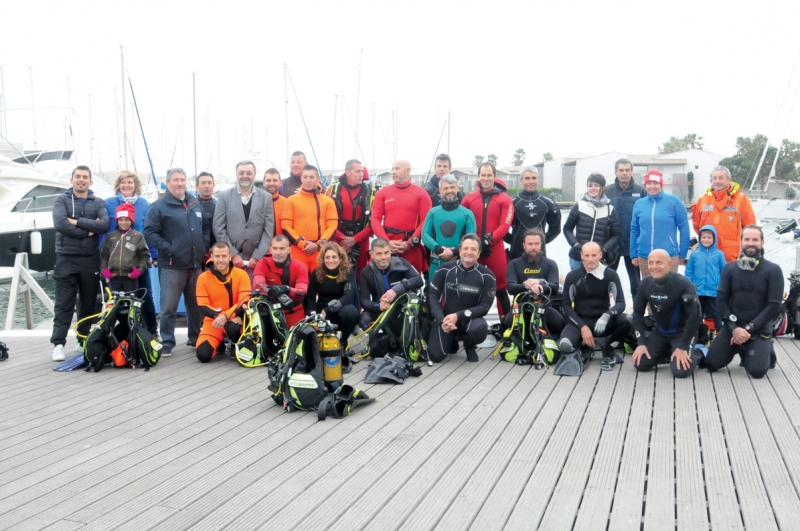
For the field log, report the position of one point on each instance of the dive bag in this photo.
(400, 330)
(296, 380)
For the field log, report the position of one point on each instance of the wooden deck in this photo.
(483, 446)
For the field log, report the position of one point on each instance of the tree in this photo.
(519, 157)
(478, 160)
(547, 156)
(492, 159)
(675, 144)
(748, 154)
(690, 181)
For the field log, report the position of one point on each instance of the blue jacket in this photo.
(705, 266)
(623, 202)
(141, 206)
(179, 231)
(654, 223)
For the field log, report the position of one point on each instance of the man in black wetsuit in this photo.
(384, 278)
(532, 210)
(535, 273)
(676, 311)
(749, 299)
(594, 304)
(442, 167)
(461, 293)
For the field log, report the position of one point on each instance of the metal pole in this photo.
(116, 114)
(286, 97)
(124, 111)
(91, 136)
(358, 100)
(33, 111)
(194, 114)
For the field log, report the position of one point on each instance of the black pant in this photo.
(74, 275)
(148, 307)
(125, 284)
(755, 353)
(660, 348)
(708, 306)
(617, 330)
(472, 331)
(346, 319)
(555, 321)
(633, 273)
(366, 319)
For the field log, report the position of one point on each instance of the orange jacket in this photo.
(311, 216)
(729, 211)
(225, 292)
(278, 202)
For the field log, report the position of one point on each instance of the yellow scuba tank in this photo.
(330, 350)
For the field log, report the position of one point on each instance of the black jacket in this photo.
(208, 206)
(622, 201)
(92, 216)
(401, 275)
(179, 231)
(320, 294)
(587, 223)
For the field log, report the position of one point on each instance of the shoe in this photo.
(189, 343)
(454, 347)
(157, 337)
(79, 347)
(472, 356)
(166, 353)
(58, 353)
(618, 360)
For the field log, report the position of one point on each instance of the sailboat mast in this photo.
(333, 155)
(194, 114)
(33, 111)
(358, 100)
(124, 112)
(286, 97)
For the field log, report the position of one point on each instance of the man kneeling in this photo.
(461, 293)
(220, 289)
(676, 311)
(594, 304)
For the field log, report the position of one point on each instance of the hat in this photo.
(125, 210)
(654, 176)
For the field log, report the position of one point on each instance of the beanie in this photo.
(654, 176)
(125, 210)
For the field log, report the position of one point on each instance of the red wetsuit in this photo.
(398, 213)
(267, 272)
(353, 206)
(494, 212)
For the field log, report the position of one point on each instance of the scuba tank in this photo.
(330, 350)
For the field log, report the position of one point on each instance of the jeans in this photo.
(633, 273)
(174, 283)
(574, 264)
(74, 275)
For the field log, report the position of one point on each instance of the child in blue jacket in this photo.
(704, 270)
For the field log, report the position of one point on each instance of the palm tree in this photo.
(478, 160)
(547, 156)
(492, 159)
(692, 141)
(519, 157)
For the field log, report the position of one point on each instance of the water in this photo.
(40, 313)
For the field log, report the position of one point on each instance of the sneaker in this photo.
(166, 353)
(58, 353)
(472, 356)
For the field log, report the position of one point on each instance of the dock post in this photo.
(29, 284)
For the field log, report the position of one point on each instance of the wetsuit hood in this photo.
(500, 187)
(530, 196)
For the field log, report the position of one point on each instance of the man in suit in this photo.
(244, 219)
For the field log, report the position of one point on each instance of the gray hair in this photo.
(531, 169)
(350, 163)
(721, 168)
(172, 171)
(449, 179)
(246, 163)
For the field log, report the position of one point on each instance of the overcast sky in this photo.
(558, 77)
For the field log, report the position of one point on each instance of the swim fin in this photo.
(570, 364)
(72, 364)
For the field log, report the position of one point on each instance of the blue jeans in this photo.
(174, 283)
(574, 264)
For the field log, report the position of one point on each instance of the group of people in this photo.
(348, 250)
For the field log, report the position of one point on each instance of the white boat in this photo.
(29, 185)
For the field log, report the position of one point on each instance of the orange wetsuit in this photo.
(308, 217)
(278, 202)
(218, 293)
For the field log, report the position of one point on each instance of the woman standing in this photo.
(332, 289)
(592, 219)
(129, 188)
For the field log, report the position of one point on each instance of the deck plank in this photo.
(659, 509)
(690, 500)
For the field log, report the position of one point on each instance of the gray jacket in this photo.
(91, 214)
(251, 239)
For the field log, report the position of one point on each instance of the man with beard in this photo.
(535, 273)
(272, 185)
(446, 224)
(353, 198)
(461, 294)
(532, 210)
(442, 168)
(292, 184)
(749, 299)
(244, 219)
(676, 311)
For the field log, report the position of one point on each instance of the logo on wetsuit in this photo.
(659, 297)
(532, 271)
(463, 288)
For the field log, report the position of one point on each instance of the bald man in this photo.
(594, 305)
(398, 214)
(676, 312)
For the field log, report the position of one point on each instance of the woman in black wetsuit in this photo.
(332, 289)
